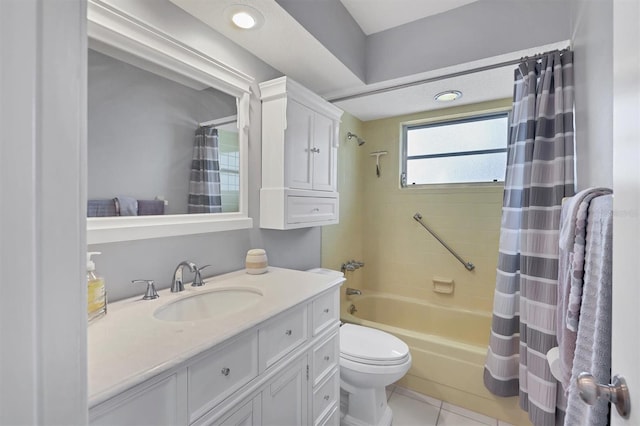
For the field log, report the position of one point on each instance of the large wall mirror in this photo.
(167, 134)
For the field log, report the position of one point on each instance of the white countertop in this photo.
(129, 345)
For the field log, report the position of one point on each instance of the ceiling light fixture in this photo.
(244, 17)
(243, 20)
(448, 96)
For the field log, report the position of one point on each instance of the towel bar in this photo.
(470, 266)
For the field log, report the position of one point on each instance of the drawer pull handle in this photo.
(315, 210)
(326, 310)
(327, 357)
(288, 332)
(326, 397)
(225, 371)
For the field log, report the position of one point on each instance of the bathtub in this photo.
(448, 346)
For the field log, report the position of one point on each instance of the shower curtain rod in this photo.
(445, 76)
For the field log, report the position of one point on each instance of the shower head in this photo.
(359, 139)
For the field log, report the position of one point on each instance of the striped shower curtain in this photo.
(204, 184)
(540, 173)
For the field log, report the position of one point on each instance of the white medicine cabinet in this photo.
(299, 157)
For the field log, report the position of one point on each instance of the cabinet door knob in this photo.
(326, 397)
(327, 357)
(288, 332)
(315, 150)
(225, 371)
(326, 310)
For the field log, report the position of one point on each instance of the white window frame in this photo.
(451, 118)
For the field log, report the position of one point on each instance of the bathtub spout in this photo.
(352, 291)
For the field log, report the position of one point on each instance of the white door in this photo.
(626, 215)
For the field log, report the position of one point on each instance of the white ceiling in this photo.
(280, 42)
(476, 87)
(287, 46)
(374, 16)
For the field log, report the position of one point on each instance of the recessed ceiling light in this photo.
(244, 17)
(243, 20)
(448, 96)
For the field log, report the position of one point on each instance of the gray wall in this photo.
(141, 131)
(592, 36)
(225, 251)
(478, 30)
(330, 23)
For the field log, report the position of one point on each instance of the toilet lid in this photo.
(368, 344)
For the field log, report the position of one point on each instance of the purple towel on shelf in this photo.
(126, 206)
(101, 208)
(150, 207)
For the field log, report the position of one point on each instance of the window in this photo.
(472, 149)
(229, 158)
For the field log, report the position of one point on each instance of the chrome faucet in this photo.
(352, 291)
(177, 284)
(351, 265)
(197, 281)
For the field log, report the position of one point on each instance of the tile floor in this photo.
(413, 409)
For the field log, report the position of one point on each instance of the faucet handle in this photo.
(197, 281)
(151, 292)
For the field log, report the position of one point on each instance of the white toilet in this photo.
(370, 360)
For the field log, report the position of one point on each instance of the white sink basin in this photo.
(211, 304)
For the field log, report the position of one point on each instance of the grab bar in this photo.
(470, 266)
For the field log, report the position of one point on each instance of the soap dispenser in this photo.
(96, 292)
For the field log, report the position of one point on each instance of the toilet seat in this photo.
(370, 346)
(374, 362)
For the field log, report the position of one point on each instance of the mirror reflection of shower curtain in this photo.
(204, 184)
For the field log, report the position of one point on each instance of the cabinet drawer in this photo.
(311, 209)
(220, 373)
(326, 396)
(282, 336)
(326, 311)
(325, 357)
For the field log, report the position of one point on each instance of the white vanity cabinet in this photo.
(282, 371)
(156, 402)
(299, 157)
(284, 399)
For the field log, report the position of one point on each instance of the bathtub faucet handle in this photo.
(351, 265)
